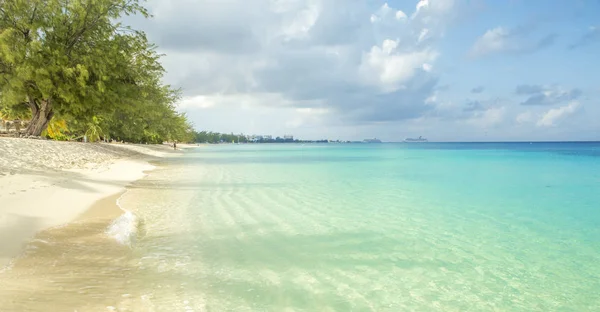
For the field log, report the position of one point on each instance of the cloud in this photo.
(514, 41)
(591, 37)
(478, 89)
(241, 100)
(529, 89)
(385, 12)
(352, 62)
(389, 69)
(524, 117)
(546, 95)
(553, 116)
(488, 118)
(474, 106)
(351, 69)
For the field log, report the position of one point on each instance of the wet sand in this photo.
(75, 267)
(45, 184)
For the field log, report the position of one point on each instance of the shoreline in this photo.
(85, 184)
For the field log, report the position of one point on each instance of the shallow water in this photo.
(384, 227)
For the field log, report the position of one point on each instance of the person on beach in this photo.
(175, 145)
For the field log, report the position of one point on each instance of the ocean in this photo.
(336, 227)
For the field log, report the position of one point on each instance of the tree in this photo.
(70, 57)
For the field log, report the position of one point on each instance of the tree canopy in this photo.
(215, 137)
(73, 60)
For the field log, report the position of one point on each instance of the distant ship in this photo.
(372, 141)
(418, 140)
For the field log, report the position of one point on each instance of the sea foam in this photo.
(124, 229)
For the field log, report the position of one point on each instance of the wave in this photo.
(125, 228)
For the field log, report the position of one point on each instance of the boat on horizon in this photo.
(420, 139)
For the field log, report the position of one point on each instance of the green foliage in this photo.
(17, 112)
(215, 137)
(70, 59)
(94, 131)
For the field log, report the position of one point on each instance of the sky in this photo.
(448, 70)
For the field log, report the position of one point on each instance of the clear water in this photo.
(382, 227)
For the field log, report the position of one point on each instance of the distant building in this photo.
(288, 137)
(254, 138)
(267, 137)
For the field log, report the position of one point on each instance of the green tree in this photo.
(70, 57)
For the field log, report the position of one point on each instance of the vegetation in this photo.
(215, 137)
(58, 130)
(69, 60)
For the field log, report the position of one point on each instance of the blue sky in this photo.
(450, 70)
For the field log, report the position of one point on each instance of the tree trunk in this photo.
(41, 114)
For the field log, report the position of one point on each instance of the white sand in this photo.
(45, 184)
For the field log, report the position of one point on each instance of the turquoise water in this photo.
(334, 227)
(389, 227)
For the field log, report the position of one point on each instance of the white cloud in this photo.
(401, 15)
(423, 34)
(524, 117)
(198, 101)
(307, 63)
(389, 69)
(539, 95)
(553, 116)
(385, 12)
(302, 21)
(431, 10)
(422, 4)
(432, 99)
(312, 111)
(306, 116)
(488, 118)
(350, 69)
(504, 40)
(238, 100)
(494, 40)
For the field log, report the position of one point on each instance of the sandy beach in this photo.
(45, 184)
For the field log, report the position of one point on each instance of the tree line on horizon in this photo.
(216, 137)
(71, 68)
